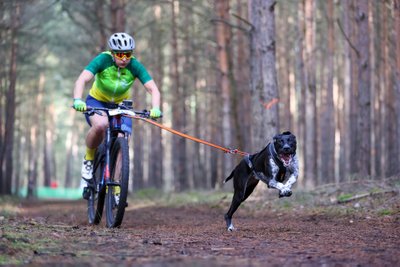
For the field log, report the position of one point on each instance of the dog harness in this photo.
(261, 176)
(275, 157)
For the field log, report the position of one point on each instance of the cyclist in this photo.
(114, 72)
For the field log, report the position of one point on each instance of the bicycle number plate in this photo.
(121, 112)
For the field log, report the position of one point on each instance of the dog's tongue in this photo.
(286, 158)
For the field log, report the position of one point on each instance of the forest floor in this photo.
(354, 224)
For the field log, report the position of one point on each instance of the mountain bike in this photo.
(110, 181)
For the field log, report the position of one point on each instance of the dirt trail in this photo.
(52, 233)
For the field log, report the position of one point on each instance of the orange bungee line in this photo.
(226, 150)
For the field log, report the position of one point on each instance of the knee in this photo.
(100, 126)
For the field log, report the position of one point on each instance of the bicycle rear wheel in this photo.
(97, 191)
(117, 187)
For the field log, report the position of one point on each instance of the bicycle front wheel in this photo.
(97, 190)
(117, 186)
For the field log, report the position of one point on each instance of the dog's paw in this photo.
(285, 193)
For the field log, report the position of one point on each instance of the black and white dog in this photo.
(273, 165)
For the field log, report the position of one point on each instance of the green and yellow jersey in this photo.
(112, 83)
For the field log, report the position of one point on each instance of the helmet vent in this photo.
(121, 42)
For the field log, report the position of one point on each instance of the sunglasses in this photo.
(122, 55)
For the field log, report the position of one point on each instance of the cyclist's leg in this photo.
(94, 137)
(96, 132)
(98, 125)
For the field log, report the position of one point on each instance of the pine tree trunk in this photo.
(138, 143)
(263, 73)
(300, 87)
(310, 140)
(178, 111)
(388, 46)
(376, 95)
(345, 135)
(156, 148)
(118, 20)
(71, 154)
(242, 73)
(223, 37)
(353, 102)
(364, 94)
(327, 108)
(396, 64)
(8, 148)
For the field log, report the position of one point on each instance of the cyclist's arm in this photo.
(152, 88)
(80, 83)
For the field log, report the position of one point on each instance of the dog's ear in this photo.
(276, 137)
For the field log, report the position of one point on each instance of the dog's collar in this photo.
(260, 175)
(275, 156)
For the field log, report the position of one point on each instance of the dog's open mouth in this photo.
(286, 159)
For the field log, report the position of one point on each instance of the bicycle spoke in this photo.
(118, 187)
(97, 195)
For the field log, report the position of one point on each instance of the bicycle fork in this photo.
(107, 174)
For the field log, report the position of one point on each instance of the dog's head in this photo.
(285, 146)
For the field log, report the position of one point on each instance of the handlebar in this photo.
(124, 108)
(119, 110)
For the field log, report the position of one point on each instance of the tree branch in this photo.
(347, 38)
(243, 20)
(230, 24)
(360, 196)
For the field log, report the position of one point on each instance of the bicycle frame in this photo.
(114, 126)
(105, 169)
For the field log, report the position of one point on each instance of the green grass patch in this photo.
(285, 204)
(148, 194)
(196, 197)
(176, 199)
(20, 243)
(9, 206)
(344, 197)
(386, 212)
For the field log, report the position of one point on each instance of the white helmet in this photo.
(121, 41)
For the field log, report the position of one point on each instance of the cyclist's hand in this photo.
(155, 113)
(79, 105)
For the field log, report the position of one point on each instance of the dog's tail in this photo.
(229, 177)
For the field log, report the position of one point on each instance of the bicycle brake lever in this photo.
(92, 112)
(89, 112)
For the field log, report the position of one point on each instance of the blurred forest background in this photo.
(230, 72)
